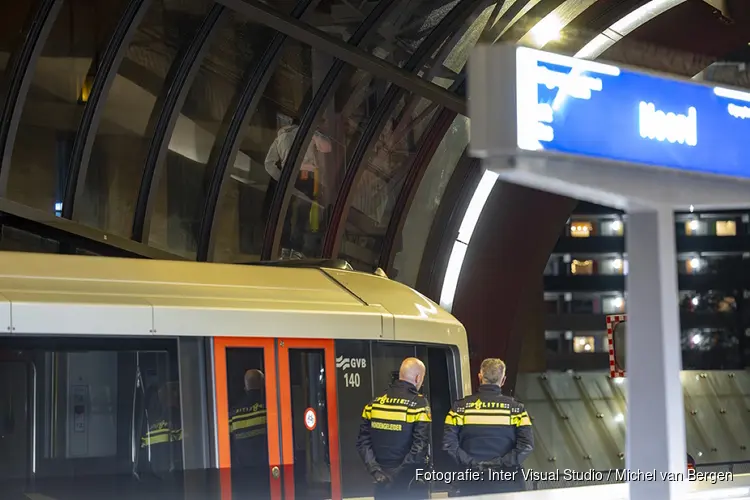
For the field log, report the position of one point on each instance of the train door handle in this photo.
(275, 472)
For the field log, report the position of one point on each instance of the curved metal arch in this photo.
(494, 33)
(449, 23)
(20, 76)
(224, 152)
(413, 178)
(164, 116)
(523, 25)
(318, 104)
(445, 225)
(113, 55)
(339, 49)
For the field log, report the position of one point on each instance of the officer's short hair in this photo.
(492, 370)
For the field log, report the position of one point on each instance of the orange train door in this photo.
(247, 418)
(310, 433)
(277, 418)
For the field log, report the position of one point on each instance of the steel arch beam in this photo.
(319, 103)
(74, 235)
(351, 55)
(21, 74)
(164, 118)
(413, 178)
(445, 225)
(224, 152)
(529, 19)
(449, 23)
(113, 55)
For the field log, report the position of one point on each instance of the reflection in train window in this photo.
(82, 408)
(248, 425)
(312, 461)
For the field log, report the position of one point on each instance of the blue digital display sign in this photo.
(579, 107)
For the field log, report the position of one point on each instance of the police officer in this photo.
(394, 437)
(161, 436)
(249, 439)
(490, 433)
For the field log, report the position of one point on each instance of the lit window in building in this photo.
(616, 227)
(727, 304)
(694, 265)
(726, 228)
(613, 305)
(584, 267)
(693, 227)
(581, 229)
(583, 344)
(618, 266)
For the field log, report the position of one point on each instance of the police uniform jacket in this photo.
(488, 427)
(395, 430)
(161, 441)
(248, 432)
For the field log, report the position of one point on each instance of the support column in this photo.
(655, 412)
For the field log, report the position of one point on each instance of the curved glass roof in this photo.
(242, 130)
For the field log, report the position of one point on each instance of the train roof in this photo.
(83, 295)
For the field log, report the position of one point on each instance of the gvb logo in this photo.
(343, 363)
(352, 379)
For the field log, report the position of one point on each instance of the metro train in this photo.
(118, 376)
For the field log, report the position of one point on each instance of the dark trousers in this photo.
(403, 486)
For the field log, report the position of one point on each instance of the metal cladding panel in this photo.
(44, 313)
(579, 419)
(6, 325)
(265, 318)
(29, 272)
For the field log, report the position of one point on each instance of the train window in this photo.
(386, 359)
(84, 408)
(248, 425)
(312, 470)
(195, 414)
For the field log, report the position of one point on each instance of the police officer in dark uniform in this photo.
(394, 437)
(159, 456)
(490, 433)
(249, 439)
(161, 437)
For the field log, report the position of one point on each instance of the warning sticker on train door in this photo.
(311, 420)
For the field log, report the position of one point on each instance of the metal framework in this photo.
(92, 113)
(224, 152)
(164, 117)
(302, 32)
(449, 23)
(314, 111)
(19, 80)
(445, 225)
(414, 176)
(412, 82)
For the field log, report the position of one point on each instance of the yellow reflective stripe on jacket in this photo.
(521, 420)
(156, 437)
(487, 416)
(487, 420)
(247, 420)
(367, 412)
(453, 418)
(399, 413)
(472, 416)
